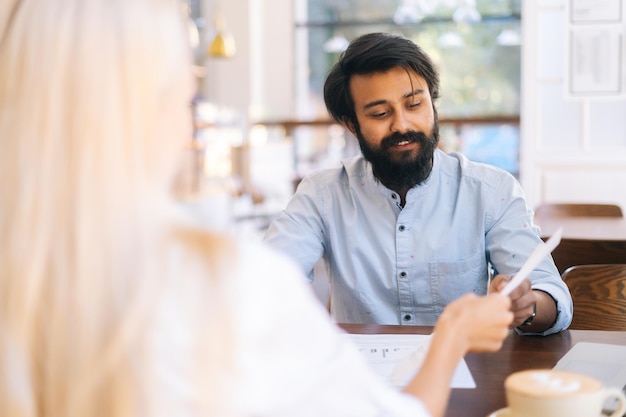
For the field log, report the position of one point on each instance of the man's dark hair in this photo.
(372, 53)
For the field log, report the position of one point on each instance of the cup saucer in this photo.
(503, 412)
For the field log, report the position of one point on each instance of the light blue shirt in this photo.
(402, 265)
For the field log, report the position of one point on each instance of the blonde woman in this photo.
(111, 303)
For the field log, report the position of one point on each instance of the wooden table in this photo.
(591, 228)
(586, 240)
(490, 369)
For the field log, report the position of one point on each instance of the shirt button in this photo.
(407, 317)
(402, 274)
(401, 228)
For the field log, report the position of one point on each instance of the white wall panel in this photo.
(552, 112)
(593, 185)
(573, 148)
(607, 124)
(551, 51)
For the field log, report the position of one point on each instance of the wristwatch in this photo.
(530, 319)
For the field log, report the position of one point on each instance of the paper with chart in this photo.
(396, 357)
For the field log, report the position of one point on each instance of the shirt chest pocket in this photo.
(451, 279)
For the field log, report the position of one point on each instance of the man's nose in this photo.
(400, 122)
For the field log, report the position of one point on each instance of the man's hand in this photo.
(523, 298)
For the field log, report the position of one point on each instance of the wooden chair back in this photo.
(578, 210)
(599, 295)
(572, 252)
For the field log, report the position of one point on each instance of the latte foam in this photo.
(551, 383)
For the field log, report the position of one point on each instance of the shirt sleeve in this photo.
(293, 360)
(298, 230)
(511, 239)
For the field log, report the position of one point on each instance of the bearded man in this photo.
(405, 228)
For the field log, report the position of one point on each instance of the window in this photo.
(475, 45)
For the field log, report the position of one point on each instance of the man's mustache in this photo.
(397, 138)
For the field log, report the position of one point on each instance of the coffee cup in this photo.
(553, 393)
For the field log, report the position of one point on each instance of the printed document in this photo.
(397, 357)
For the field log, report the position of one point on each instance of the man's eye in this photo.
(379, 115)
(415, 104)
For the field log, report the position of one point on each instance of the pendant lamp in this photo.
(223, 44)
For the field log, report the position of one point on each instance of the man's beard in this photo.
(404, 172)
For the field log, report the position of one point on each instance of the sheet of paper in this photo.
(541, 251)
(396, 358)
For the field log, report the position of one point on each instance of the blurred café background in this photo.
(534, 87)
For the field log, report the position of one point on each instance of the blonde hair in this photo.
(86, 248)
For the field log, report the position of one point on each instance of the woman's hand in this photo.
(477, 323)
(470, 323)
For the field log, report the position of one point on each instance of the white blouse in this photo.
(292, 358)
